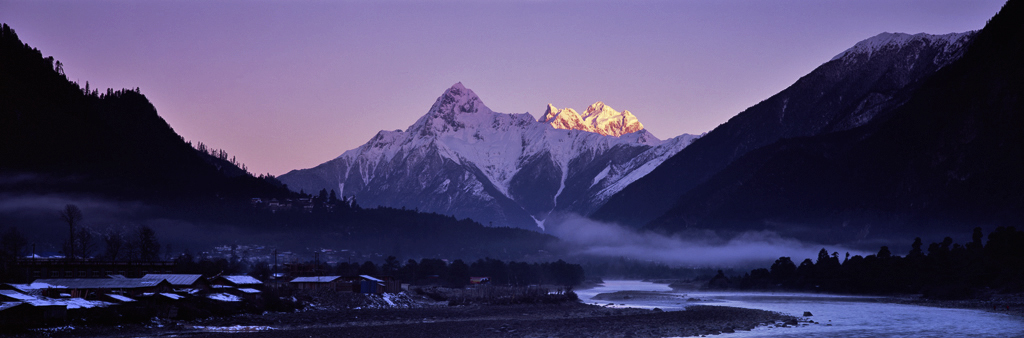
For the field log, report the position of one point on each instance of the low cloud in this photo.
(692, 248)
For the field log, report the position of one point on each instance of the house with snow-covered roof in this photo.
(371, 284)
(93, 288)
(237, 281)
(187, 283)
(14, 296)
(243, 286)
(31, 313)
(319, 282)
(35, 288)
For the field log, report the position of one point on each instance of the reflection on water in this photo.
(838, 316)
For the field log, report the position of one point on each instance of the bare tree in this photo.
(85, 243)
(148, 246)
(167, 251)
(114, 240)
(12, 242)
(71, 215)
(131, 248)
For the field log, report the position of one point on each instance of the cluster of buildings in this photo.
(54, 300)
(257, 253)
(306, 204)
(47, 301)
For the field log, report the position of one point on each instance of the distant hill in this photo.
(945, 153)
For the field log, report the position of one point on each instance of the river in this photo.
(838, 316)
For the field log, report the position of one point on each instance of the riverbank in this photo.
(1011, 304)
(522, 320)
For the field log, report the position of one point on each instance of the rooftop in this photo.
(242, 280)
(175, 279)
(99, 283)
(317, 279)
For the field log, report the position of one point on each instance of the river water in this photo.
(849, 316)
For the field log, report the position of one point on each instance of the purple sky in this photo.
(291, 84)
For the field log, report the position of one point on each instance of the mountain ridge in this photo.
(858, 86)
(462, 158)
(947, 160)
(113, 142)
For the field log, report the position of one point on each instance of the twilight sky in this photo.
(290, 84)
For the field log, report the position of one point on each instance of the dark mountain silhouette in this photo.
(857, 86)
(949, 158)
(114, 143)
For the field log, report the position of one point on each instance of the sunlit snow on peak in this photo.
(598, 118)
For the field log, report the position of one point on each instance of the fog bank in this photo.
(694, 248)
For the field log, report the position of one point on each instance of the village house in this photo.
(243, 286)
(236, 281)
(94, 288)
(18, 310)
(321, 282)
(183, 283)
(374, 285)
(23, 309)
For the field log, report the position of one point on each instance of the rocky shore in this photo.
(523, 320)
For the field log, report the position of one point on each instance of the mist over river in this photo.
(836, 315)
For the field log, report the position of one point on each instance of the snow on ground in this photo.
(387, 299)
(236, 328)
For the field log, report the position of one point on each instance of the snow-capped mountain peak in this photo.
(598, 118)
(442, 116)
(462, 158)
(606, 121)
(565, 118)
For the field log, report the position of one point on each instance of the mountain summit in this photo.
(442, 116)
(598, 118)
(464, 159)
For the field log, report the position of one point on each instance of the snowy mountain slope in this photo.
(948, 158)
(950, 46)
(464, 159)
(860, 85)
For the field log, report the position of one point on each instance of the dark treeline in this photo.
(942, 270)
(335, 224)
(344, 224)
(626, 268)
